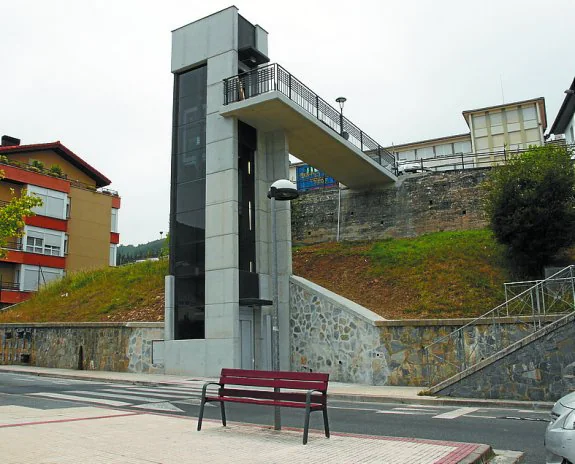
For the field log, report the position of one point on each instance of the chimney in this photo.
(8, 141)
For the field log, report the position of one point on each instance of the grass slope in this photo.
(134, 292)
(441, 275)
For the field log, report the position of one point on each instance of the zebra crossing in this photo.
(161, 398)
(169, 397)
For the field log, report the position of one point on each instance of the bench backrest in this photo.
(273, 379)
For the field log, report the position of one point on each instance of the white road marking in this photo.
(59, 396)
(454, 414)
(399, 412)
(149, 392)
(430, 411)
(166, 406)
(112, 395)
(169, 390)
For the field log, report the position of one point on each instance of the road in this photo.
(502, 428)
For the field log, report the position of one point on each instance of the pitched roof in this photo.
(67, 154)
(565, 112)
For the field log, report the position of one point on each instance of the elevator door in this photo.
(247, 340)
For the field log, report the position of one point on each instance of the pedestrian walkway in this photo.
(100, 435)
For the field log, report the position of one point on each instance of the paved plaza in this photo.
(102, 435)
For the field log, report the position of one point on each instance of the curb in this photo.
(359, 398)
(481, 455)
(443, 401)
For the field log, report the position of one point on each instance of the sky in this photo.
(96, 75)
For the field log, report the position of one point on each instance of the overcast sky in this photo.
(96, 75)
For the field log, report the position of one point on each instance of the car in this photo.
(560, 433)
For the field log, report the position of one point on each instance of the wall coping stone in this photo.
(459, 321)
(570, 318)
(82, 324)
(334, 298)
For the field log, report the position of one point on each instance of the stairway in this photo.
(531, 316)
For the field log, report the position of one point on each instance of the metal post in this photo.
(317, 106)
(290, 86)
(462, 162)
(361, 139)
(338, 209)
(506, 300)
(572, 285)
(275, 316)
(341, 122)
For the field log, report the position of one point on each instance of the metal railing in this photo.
(12, 245)
(273, 77)
(461, 161)
(529, 310)
(5, 285)
(76, 183)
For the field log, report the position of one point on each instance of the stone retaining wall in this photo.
(539, 368)
(417, 204)
(332, 334)
(120, 347)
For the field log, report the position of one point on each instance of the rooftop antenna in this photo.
(502, 94)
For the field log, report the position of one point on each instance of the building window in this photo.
(44, 241)
(113, 254)
(34, 245)
(52, 250)
(114, 220)
(36, 276)
(53, 202)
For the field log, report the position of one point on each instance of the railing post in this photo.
(275, 76)
(317, 106)
(289, 80)
(361, 139)
(462, 162)
(225, 91)
(379, 153)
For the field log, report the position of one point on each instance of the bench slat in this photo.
(273, 383)
(316, 398)
(286, 404)
(287, 375)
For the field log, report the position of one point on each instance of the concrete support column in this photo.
(169, 307)
(272, 163)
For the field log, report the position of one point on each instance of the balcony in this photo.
(270, 98)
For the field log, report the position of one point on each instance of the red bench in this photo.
(312, 394)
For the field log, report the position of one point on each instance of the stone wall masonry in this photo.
(120, 347)
(329, 333)
(332, 334)
(416, 204)
(538, 368)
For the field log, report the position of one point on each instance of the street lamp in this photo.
(280, 190)
(341, 101)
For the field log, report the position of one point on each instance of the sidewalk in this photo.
(337, 390)
(107, 435)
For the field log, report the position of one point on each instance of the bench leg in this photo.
(325, 422)
(201, 416)
(306, 423)
(223, 411)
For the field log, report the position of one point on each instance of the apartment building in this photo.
(563, 127)
(75, 228)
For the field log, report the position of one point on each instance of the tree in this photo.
(12, 216)
(530, 203)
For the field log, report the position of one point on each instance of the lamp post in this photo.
(341, 101)
(280, 190)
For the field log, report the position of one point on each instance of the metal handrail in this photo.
(462, 161)
(273, 77)
(12, 245)
(9, 285)
(543, 299)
